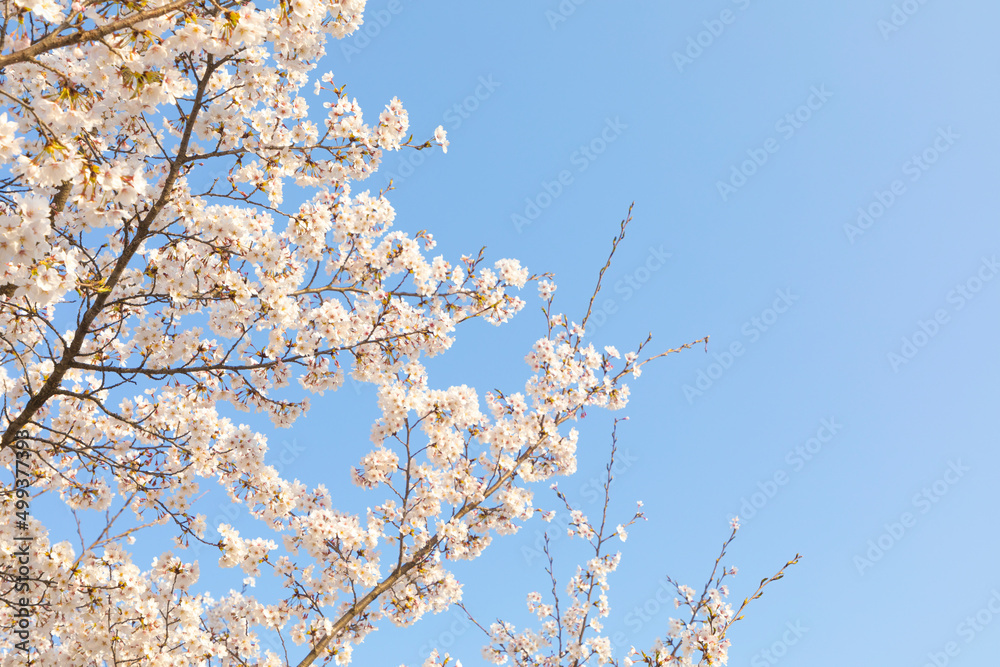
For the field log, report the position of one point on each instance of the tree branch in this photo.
(54, 41)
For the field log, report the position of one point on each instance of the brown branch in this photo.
(55, 41)
(36, 402)
(415, 560)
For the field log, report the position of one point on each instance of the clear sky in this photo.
(815, 187)
(890, 108)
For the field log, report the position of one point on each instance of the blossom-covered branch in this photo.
(157, 281)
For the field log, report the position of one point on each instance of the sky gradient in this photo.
(815, 188)
(748, 134)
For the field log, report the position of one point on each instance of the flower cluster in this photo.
(154, 280)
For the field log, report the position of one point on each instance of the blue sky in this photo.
(893, 111)
(846, 407)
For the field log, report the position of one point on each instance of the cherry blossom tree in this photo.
(155, 281)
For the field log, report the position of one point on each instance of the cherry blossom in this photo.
(156, 278)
